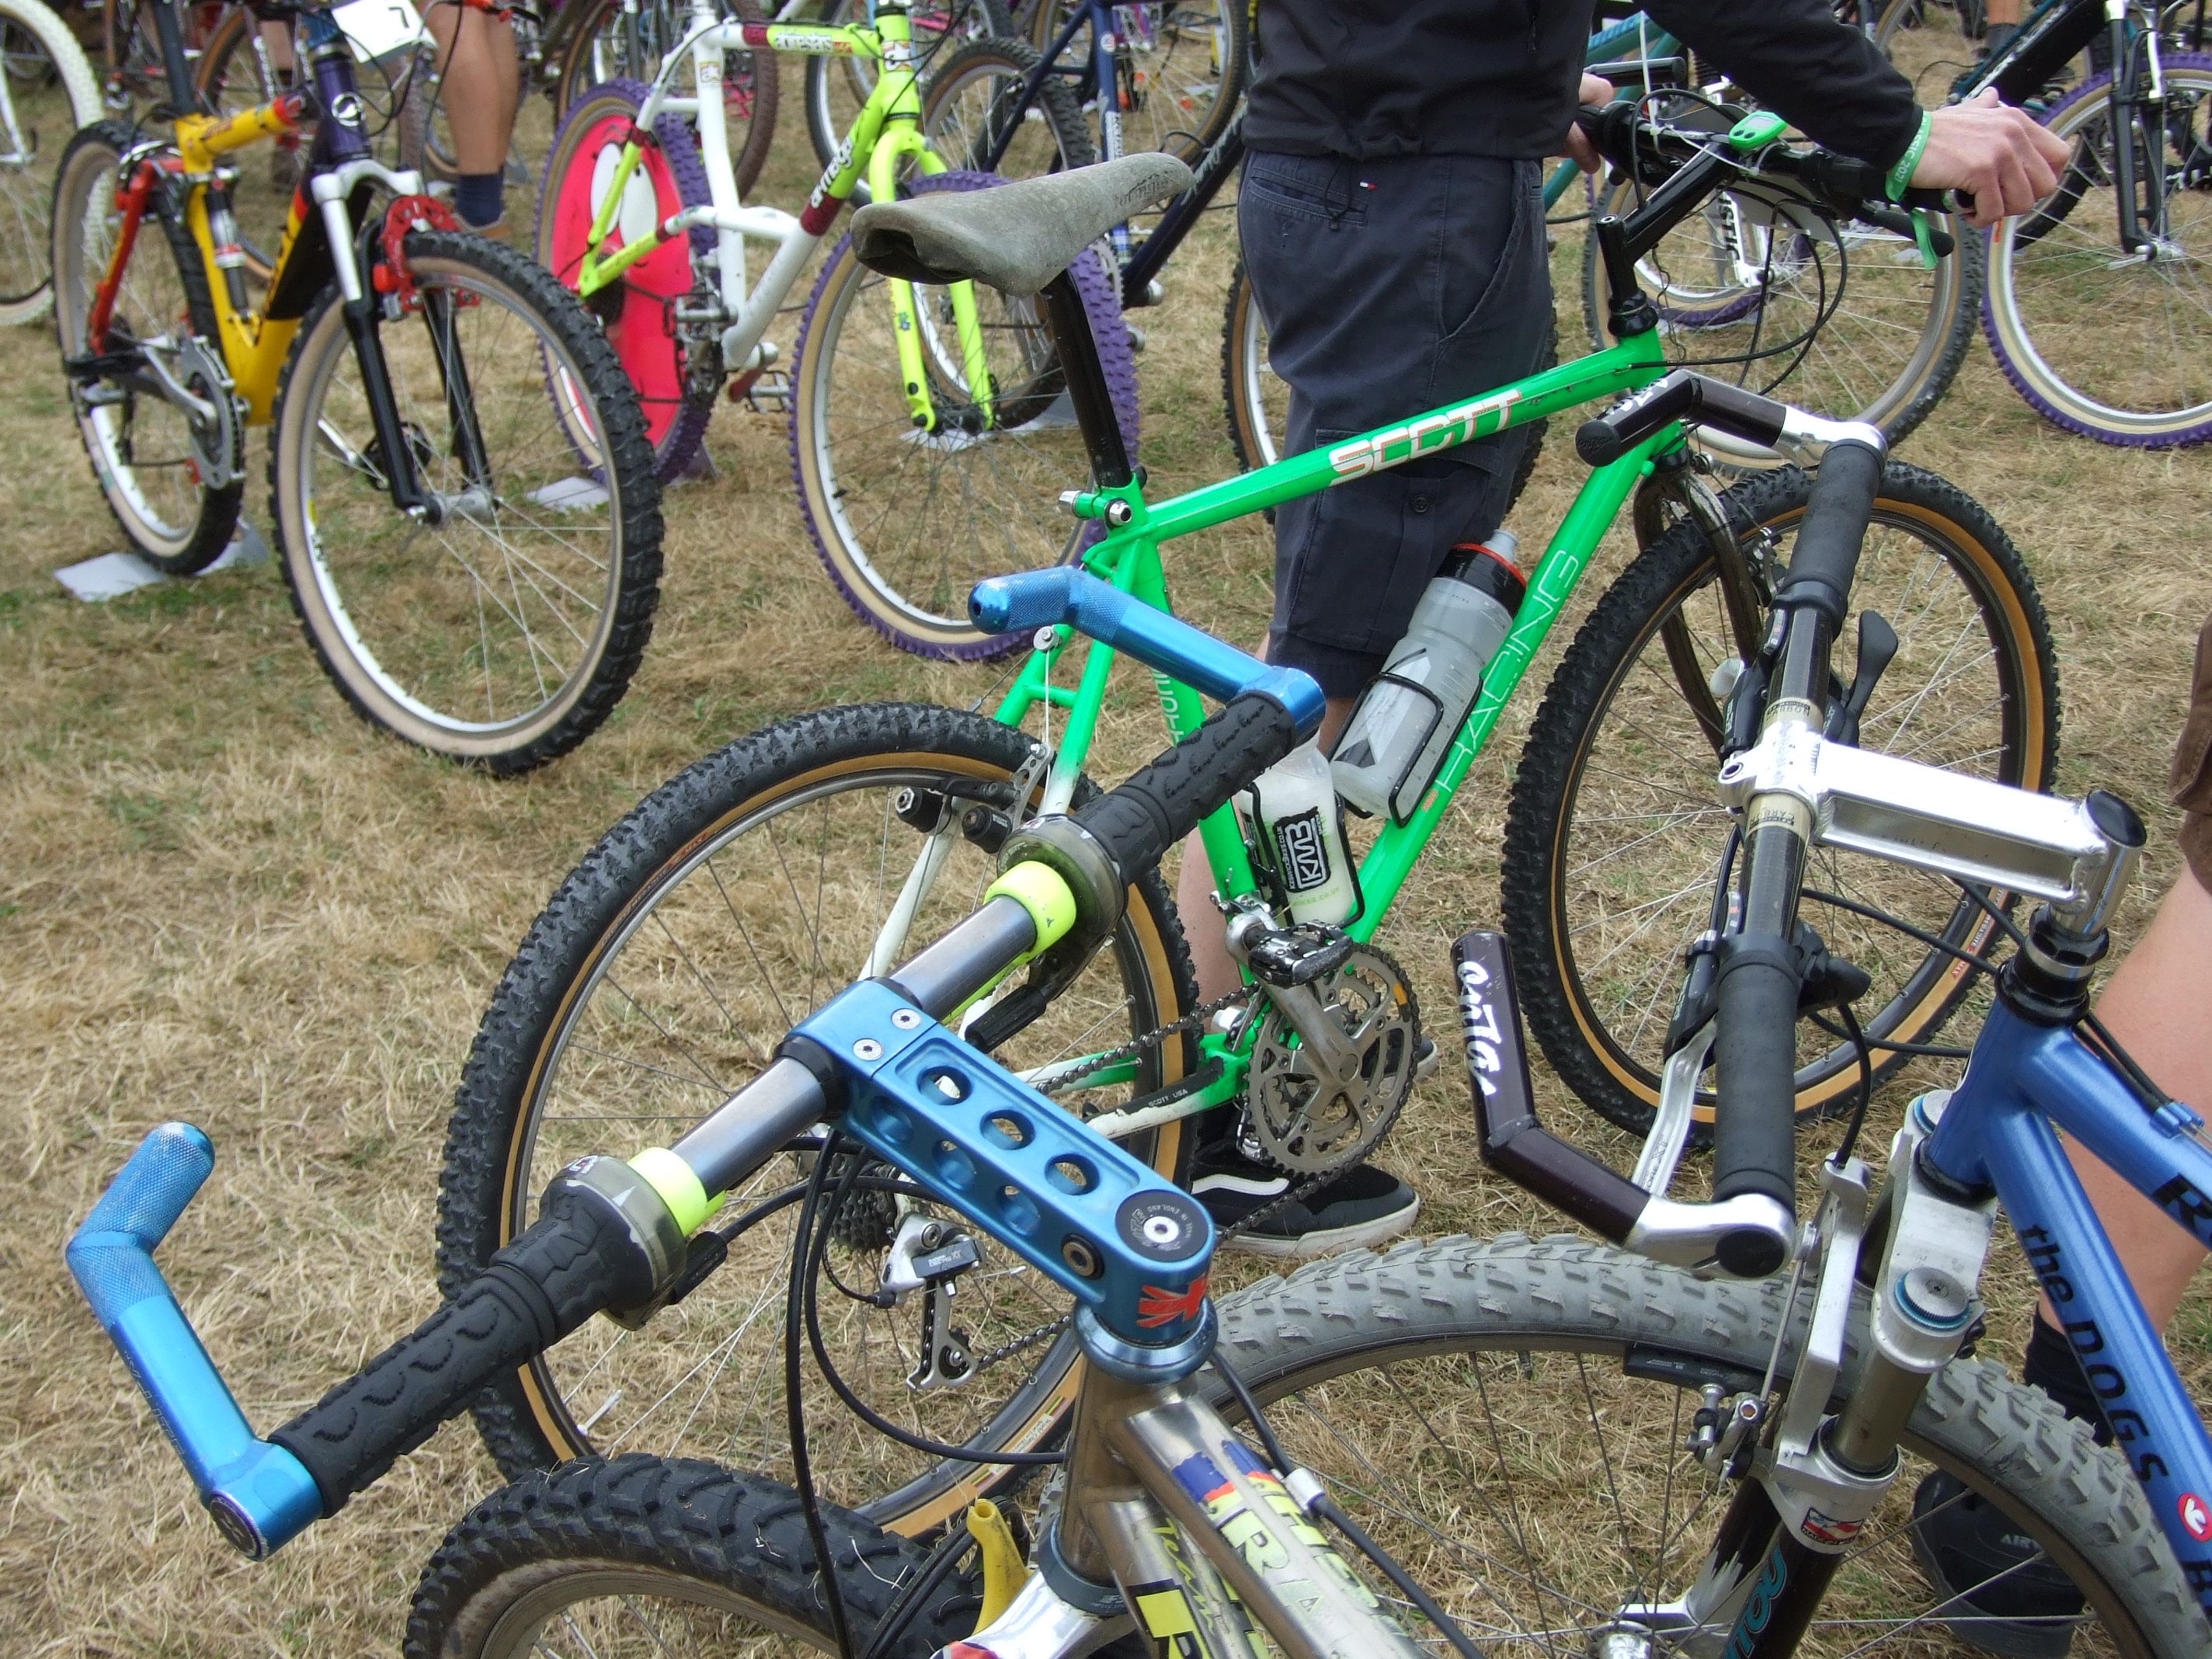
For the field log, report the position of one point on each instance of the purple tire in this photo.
(2074, 240)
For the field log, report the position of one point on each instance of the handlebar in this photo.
(612, 1237)
(1654, 151)
(1754, 1049)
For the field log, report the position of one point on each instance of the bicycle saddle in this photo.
(1018, 237)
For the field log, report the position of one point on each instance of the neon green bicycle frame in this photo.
(885, 144)
(1129, 557)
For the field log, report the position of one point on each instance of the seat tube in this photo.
(176, 68)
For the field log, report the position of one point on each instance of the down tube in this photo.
(1396, 850)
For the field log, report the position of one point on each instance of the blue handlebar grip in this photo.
(1037, 598)
(260, 1495)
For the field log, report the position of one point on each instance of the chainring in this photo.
(1309, 1124)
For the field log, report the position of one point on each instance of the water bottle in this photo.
(1299, 831)
(1395, 745)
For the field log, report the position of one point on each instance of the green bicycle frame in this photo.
(1129, 557)
(885, 142)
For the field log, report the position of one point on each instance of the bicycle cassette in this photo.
(1312, 1113)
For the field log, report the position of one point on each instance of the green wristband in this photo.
(1900, 176)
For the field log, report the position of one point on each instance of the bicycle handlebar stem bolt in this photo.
(867, 1048)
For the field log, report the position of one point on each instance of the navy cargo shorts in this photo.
(1388, 287)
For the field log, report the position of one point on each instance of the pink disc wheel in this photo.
(676, 389)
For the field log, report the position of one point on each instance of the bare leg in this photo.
(480, 83)
(1201, 922)
(2154, 1005)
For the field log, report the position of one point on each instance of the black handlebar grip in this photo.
(1683, 395)
(1138, 820)
(578, 1258)
(1826, 558)
(1754, 1052)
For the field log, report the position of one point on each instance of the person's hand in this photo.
(1596, 90)
(1993, 153)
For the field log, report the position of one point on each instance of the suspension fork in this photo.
(400, 475)
(2122, 104)
(438, 312)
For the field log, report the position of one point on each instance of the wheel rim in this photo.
(142, 447)
(919, 518)
(37, 116)
(1636, 854)
(1536, 1487)
(968, 111)
(1266, 394)
(2115, 343)
(476, 634)
(635, 314)
(764, 915)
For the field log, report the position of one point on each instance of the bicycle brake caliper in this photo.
(395, 276)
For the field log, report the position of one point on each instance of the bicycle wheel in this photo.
(1180, 66)
(639, 1556)
(677, 371)
(1259, 399)
(908, 521)
(46, 93)
(502, 627)
(611, 42)
(2100, 342)
(973, 100)
(731, 901)
(1933, 43)
(837, 87)
(173, 482)
(1508, 1418)
(1882, 335)
(1615, 831)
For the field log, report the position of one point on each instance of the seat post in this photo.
(1086, 382)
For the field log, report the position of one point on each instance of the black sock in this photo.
(479, 198)
(2050, 1365)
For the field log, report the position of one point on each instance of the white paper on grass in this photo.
(570, 494)
(112, 574)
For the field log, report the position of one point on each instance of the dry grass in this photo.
(223, 898)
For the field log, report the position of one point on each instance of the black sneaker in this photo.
(2003, 1595)
(1363, 1206)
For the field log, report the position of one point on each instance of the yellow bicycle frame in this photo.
(254, 343)
(885, 138)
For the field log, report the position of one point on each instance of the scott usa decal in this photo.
(1395, 445)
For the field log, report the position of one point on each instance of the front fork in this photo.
(1816, 1477)
(2139, 234)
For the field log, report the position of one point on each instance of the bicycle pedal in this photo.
(763, 391)
(1299, 955)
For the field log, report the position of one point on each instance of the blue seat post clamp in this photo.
(1132, 1249)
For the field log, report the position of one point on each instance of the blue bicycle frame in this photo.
(1997, 1130)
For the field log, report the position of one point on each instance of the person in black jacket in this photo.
(1393, 224)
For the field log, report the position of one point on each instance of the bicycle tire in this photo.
(370, 626)
(1255, 434)
(1430, 1339)
(189, 535)
(1896, 389)
(638, 312)
(2093, 335)
(952, 129)
(730, 1546)
(1013, 467)
(27, 289)
(1608, 744)
(587, 995)
(750, 83)
(1230, 44)
(829, 76)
